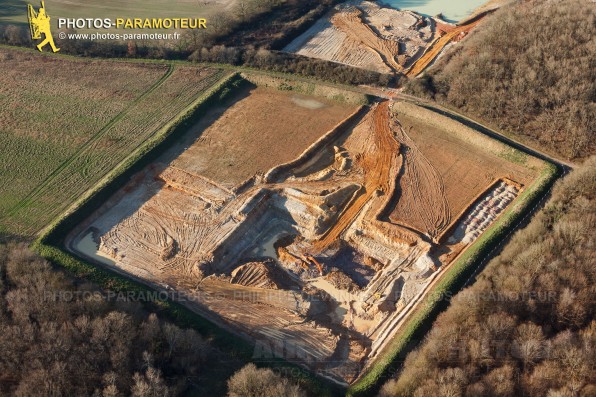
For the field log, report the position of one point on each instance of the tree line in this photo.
(62, 337)
(529, 69)
(251, 34)
(526, 327)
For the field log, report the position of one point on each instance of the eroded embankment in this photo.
(366, 35)
(449, 35)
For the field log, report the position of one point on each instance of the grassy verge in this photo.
(224, 66)
(144, 155)
(50, 245)
(420, 321)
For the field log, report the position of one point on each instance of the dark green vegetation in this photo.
(526, 327)
(63, 339)
(420, 321)
(528, 70)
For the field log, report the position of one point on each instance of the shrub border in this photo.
(452, 281)
(50, 244)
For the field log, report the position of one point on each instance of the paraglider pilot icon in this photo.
(39, 23)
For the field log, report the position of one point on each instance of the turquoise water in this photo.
(452, 10)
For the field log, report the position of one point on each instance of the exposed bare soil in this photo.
(443, 173)
(306, 225)
(447, 34)
(366, 35)
(228, 151)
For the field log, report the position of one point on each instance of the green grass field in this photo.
(65, 123)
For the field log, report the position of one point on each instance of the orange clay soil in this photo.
(376, 166)
(431, 54)
(442, 174)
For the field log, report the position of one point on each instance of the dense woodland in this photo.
(63, 337)
(64, 340)
(529, 69)
(251, 381)
(526, 327)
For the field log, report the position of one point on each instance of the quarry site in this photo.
(309, 221)
(368, 35)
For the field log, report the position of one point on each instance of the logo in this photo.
(39, 24)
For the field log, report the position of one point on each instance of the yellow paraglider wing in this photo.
(33, 25)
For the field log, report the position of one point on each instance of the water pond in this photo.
(452, 10)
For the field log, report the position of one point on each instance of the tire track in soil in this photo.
(80, 151)
(361, 33)
(377, 168)
(423, 203)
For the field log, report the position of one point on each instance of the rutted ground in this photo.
(460, 172)
(363, 34)
(367, 35)
(311, 244)
(422, 202)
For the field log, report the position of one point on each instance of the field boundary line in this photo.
(39, 188)
(50, 243)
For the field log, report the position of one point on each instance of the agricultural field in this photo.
(317, 218)
(16, 10)
(63, 128)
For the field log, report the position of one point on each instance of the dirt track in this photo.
(422, 200)
(433, 52)
(377, 174)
